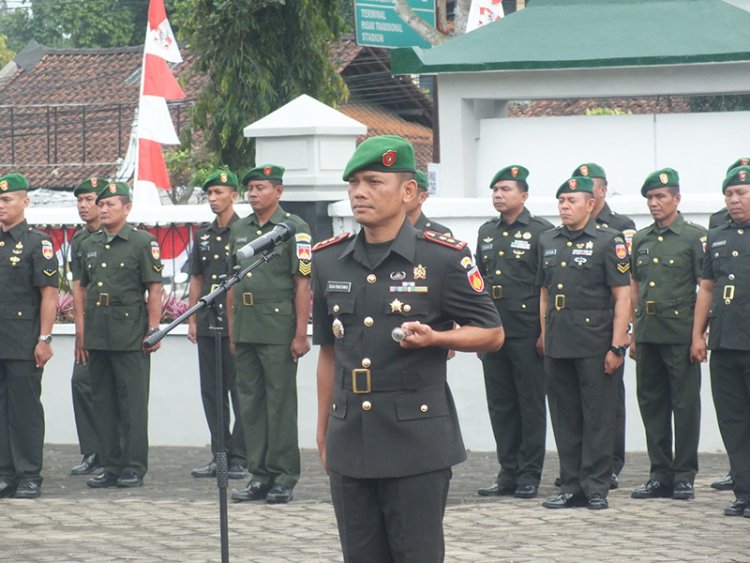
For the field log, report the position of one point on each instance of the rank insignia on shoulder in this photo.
(445, 240)
(158, 268)
(623, 268)
(305, 267)
(331, 241)
(50, 273)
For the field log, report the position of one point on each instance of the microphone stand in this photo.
(222, 476)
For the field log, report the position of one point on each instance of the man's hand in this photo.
(698, 350)
(612, 362)
(321, 441)
(81, 354)
(418, 335)
(540, 346)
(153, 348)
(42, 353)
(299, 347)
(192, 333)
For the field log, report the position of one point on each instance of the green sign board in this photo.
(378, 24)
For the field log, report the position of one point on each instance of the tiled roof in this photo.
(539, 108)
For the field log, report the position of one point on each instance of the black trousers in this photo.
(618, 453)
(730, 386)
(397, 520)
(669, 386)
(234, 439)
(582, 408)
(83, 409)
(514, 383)
(21, 421)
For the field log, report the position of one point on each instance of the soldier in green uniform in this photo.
(80, 382)
(120, 291)
(388, 430)
(666, 267)
(414, 209)
(585, 308)
(507, 257)
(208, 268)
(268, 311)
(28, 301)
(724, 300)
(605, 217)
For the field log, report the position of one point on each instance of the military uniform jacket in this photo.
(406, 424)
(425, 224)
(115, 274)
(718, 218)
(210, 259)
(27, 263)
(727, 263)
(508, 258)
(622, 223)
(264, 310)
(578, 271)
(666, 265)
(76, 256)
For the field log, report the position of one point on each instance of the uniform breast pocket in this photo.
(721, 258)
(340, 308)
(338, 405)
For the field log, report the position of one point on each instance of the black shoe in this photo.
(738, 507)
(236, 471)
(565, 500)
(597, 502)
(614, 482)
(558, 482)
(204, 472)
(526, 491)
(28, 489)
(726, 483)
(103, 480)
(129, 479)
(255, 490)
(496, 490)
(683, 490)
(279, 494)
(88, 465)
(6, 488)
(652, 489)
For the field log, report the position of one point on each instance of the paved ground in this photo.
(175, 518)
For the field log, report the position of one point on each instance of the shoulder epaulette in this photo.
(445, 240)
(331, 241)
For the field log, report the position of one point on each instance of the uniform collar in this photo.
(404, 244)
(278, 216)
(605, 215)
(124, 233)
(18, 230)
(421, 221)
(590, 229)
(676, 225)
(214, 226)
(524, 218)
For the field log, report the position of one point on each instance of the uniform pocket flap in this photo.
(339, 304)
(425, 404)
(338, 405)
(17, 312)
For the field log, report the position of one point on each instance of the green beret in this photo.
(514, 172)
(736, 176)
(576, 184)
(387, 153)
(112, 189)
(264, 172)
(422, 181)
(90, 186)
(13, 182)
(590, 169)
(742, 161)
(221, 178)
(664, 178)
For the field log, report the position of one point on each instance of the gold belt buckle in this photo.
(559, 302)
(355, 380)
(247, 299)
(728, 294)
(103, 300)
(214, 287)
(650, 307)
(497, 291)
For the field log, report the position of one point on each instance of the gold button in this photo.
(671, 261)
(104, 264)
(371, 278)
(127, 314)
(588, 320)
(2, 243)
(216, 256)
(505, 233)
(727, 301)
(735, 253)
(677, 313)
(731, 276)
(569, 243)
(660, 238)
(563, 264)
(258, 232)
(740, 231)
(334, 407)
(20, 314)
(275, 309)
(366, 405)
(336, 308)
(407, 308)
(518, 256)
(99, 284)
(213, 276)
(249, 275)
(424, 408)
(122, 264)
(497, 272)
(523, 305)
(501, 253)
(218, 237)
(652, 284)
(656, 260)
(716, 254)
(560, 286)
(366, 362)
(368, 321)
(106, 246)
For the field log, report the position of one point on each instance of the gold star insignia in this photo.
(396, 306)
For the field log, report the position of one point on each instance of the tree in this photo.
(257, 55)
(6, 55)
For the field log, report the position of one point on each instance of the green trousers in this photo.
(83, 409)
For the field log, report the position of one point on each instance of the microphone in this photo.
(398, 334)
(280, 233)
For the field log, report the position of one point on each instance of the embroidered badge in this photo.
(389, 158)
(514, 171)
(621, 250)
(584, 170)
(267, 171)
(4, 185)
(48, 251)
(663, 178)
(420, 272)
(573, 183)
(155, 253)
(398, 276)
(475, 280)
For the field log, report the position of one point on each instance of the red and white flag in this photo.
(158, 84)
(483, 12)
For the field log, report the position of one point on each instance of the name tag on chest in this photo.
(339, 287)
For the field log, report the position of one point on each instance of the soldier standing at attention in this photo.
(414, 208)
(725, 292)
(29, 275)
(268, 312)
(507, 257)
(666, 266)
(605, 217)
(120, 292)
(83, 410)
(585, 308)
(388, 431)
(208, 267)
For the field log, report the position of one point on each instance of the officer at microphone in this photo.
(267, 314)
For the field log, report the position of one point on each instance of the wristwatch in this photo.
(618, 350)
(46, 338)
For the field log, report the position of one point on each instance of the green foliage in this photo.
(188, 168)
(607, 111)
(257, 56)
(6, 55)
(735, 102)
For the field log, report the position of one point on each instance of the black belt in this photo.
(104, 300)
(364, 380)
(251, 298)
(562, 301)
(653, 307)
(514, 293)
